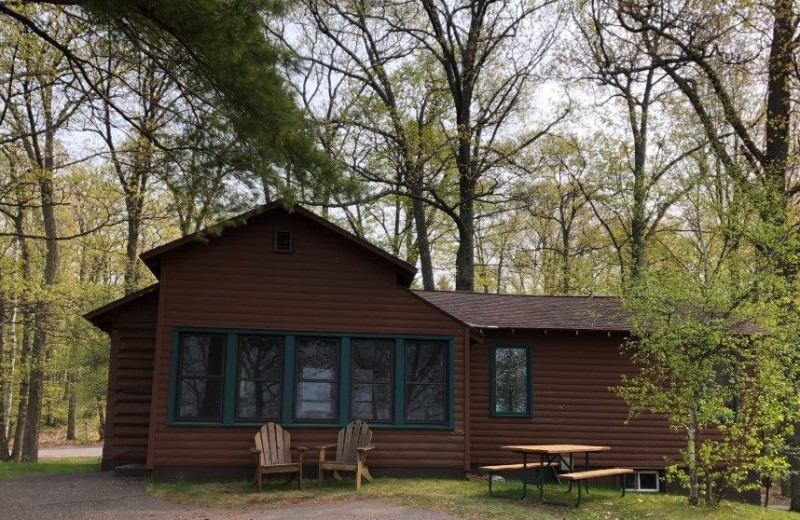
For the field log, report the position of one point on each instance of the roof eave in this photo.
(100, 317)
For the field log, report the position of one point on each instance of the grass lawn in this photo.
(48, 467)
(467, 499)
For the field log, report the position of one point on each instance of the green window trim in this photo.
(493, 380)
(287, 404)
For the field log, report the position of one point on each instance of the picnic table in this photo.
(556, 454)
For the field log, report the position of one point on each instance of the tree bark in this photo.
(101, 428)
(22, 405)
(71, 408)
(39, 351)
(8, 391)
(692, 458)
(4, 412)
(465, 255)
(132, 249)
(423, 243)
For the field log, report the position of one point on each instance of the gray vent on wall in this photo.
(283, 241)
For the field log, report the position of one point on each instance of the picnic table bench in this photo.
(595, 473)
(491, 470)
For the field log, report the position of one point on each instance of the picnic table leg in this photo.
(579, 495)
(541, 477)
(586, 468)
(571, 465)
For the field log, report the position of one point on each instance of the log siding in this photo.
(326, 285)
(573, 402)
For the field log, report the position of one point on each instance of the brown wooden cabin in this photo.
(285, 317)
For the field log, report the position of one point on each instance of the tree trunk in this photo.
(101, 428)
(566, 272)
(23, 302)
(691, 455)
(24, 364)
(39, 351)
(423, 243)
(132, 248)
(8, 391)
(71, 406)
(4, 412)
(465, 256)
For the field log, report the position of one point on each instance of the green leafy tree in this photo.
(215, 48)
(721, 374)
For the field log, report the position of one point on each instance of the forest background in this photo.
(643, 149)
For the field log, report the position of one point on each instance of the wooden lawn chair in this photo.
(273, 454)
(351, 453)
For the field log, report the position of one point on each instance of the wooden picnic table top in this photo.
(550, 449)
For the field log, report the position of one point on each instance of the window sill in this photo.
(329, 426)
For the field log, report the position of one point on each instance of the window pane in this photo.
(371, 393)
(371, 402)
(318, 359)
(317, 378)
(202, 360)
(202, 354)
(425, 403)
(425, 362)
(200, 398)
(259, 400)
(315, 401)
(372, 360)
(260, 357)
(511, 380)
(648, 480)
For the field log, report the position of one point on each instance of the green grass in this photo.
(48, 467)
(466, 499)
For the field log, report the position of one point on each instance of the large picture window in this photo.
(511, 380)
(317, 379)
(259, 388)
(426, 381)
(371, 380)
(202, 365)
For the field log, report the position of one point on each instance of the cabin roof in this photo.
(517, 311)
(100, 316)
(153, 257)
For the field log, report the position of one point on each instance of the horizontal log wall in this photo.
(572, 403)
(130, 382)
(328, 284)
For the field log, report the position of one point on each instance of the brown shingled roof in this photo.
(516, 311)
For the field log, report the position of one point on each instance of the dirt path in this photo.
(100, 496)
(70, 452)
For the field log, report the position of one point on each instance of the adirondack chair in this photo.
(351, 453)
(273, 453)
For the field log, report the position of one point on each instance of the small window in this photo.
(511, 381)
(283, 241)
(646, 481)
(426, 382)
(201, 368)
(371, 387)
(317, 379)
(260, 369)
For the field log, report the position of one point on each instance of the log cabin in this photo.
(282, 316)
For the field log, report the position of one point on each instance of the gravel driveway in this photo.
(100, 496)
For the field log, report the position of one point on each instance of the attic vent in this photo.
(283, 241)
